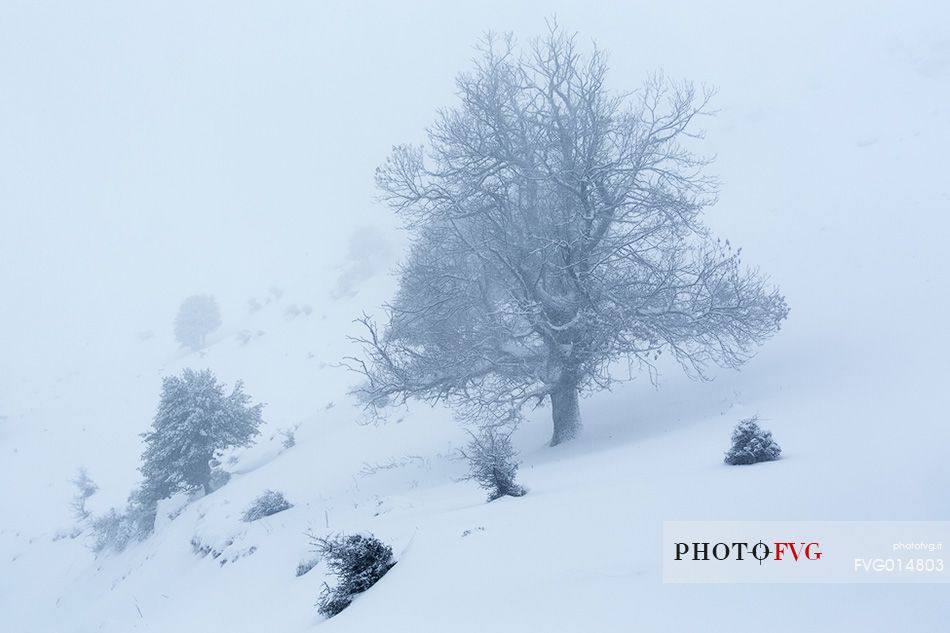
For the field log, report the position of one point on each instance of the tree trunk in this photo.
(206, 477)
(566, 412)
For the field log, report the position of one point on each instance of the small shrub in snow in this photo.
(358, 561)
(112, 531)
(751, 444)
(290, 440)
(271, 502)
(85, 488)
(492, 465)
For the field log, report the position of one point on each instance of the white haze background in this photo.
(152, 151)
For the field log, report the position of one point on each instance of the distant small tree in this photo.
(290, 438)
(492, 462)
(195, 420)
(197, 317)
(752, 444)
(85, 488)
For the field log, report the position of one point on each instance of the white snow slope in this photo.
(831, 142)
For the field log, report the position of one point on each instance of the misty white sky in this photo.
(153, 150)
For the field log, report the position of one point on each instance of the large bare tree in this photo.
(556, 230)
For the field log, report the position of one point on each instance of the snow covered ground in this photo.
(147, 156)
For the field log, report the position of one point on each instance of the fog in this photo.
(149, 152)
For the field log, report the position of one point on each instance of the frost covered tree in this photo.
(197, 317)
(556, 230)
(85, 488)
(493, 462)
(195, 420)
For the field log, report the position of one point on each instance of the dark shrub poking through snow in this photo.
(271, 502)
(491, 461)
(358, 561)
(752, 444)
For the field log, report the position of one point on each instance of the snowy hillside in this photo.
(180, 158)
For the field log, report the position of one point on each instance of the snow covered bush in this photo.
(270, 502)
(358, 561)
(114, 530)
(197, 317)
(290, 439)
(492, 465)
(752, 444)
(111, 531)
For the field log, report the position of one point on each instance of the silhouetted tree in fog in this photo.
(85, 488)
(556, 229)
(197, 317)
